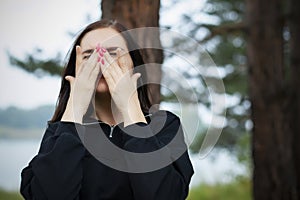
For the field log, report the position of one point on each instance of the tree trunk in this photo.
(294, 24)
(274, 173)
(136, 14)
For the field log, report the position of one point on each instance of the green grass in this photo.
(239, 189)
(9, 195)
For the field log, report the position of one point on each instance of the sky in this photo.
(26, 25)
(45, 24)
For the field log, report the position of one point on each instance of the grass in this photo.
(9, 195)
(238, 189)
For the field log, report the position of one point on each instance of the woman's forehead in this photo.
(106, 37)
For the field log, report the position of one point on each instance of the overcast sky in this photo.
(28, 24)
(37, 23)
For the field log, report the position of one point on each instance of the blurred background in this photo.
(252, 44)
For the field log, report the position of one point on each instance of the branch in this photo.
(38, 67)
(223, 30)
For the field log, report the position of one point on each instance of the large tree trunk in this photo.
(294, 24)
(274, 174)
(136, 14)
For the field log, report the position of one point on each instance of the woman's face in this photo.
(109, 39)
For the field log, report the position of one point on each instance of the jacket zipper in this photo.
(111, 126)
(111, 130)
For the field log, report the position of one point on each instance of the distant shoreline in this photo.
(20, 133)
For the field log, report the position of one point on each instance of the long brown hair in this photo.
(69, 69)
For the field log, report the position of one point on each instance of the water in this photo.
(218, 166)
(14, 156)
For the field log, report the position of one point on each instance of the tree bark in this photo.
(136, 14)
(274, 172)
(294, 25)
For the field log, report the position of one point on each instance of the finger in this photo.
(96, 54)
(135, 77)
(110, 70)
(91, 63)
(107, 76)
(95, 72)
(79, 59)
(112, 63)
(122, 60)
(70, 79)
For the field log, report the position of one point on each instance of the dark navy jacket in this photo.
(65, 169)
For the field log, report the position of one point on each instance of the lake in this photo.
(218, 166)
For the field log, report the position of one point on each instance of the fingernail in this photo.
(100, 54)
(98, 47)
(103, 50)
(98, 59)
(102, 61)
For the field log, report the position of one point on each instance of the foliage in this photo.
(225, 42)
(37, 66)
(238, 189)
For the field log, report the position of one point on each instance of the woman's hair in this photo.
(69, 69)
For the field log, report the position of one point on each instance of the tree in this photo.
(274, 87)
(272, 33)
(225, 42)
(294, 25)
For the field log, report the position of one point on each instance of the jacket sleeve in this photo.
(171, 181)
(56, 172)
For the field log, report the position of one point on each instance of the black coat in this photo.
(65, 167)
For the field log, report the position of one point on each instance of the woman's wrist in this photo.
(133, 113)
(69, 114)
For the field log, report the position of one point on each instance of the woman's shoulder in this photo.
(163, 116)
(59, 133)
(61, 129)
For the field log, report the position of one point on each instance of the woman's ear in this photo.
(79, 59)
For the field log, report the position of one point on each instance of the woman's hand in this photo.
(122, 85)
(82, 86)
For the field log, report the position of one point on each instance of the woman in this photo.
(102, 94)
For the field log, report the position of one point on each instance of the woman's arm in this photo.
(172, 181)
(56, 172)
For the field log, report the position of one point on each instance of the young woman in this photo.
(102, 142)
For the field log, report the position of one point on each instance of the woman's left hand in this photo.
(122, 84)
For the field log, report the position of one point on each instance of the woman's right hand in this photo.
(82, 86)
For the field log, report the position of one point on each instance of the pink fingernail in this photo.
(100, 54)
(98, 59)
(98, 47)
(103, 50)
(102, 61)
